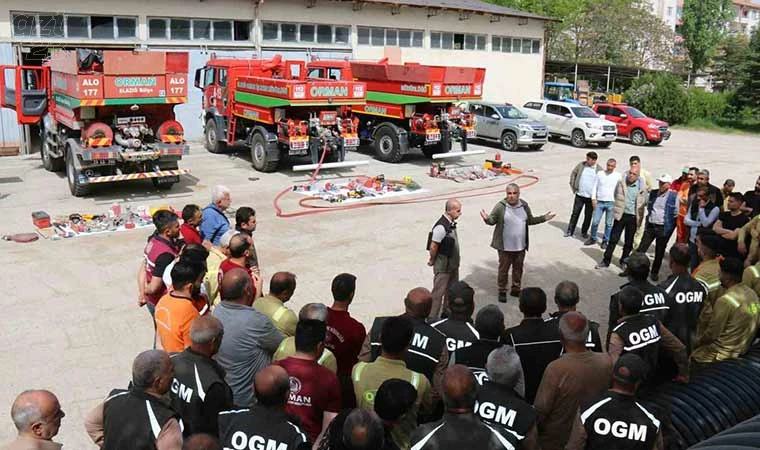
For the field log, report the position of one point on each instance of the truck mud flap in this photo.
(403, 141)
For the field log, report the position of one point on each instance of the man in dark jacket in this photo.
(582, 181)
(511, 216)
(662, 210)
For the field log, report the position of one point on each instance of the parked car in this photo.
(633, 124)
(506, 124)
(578, 123)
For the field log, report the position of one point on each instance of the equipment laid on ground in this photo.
(277, 107)
(412, 105)
(104, 116)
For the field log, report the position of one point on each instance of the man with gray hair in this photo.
(443, 244)
(714, 193)
(37, 415)
(199, 390)
(363, 430)
(499, 403)
(574, 379)
(138, 417)
(287, 348)
(511, 218)
(215, 223)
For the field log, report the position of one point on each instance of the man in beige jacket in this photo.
(630, 203)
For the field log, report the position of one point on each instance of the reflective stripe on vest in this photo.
(755, 271)
(323, 357)
(358, 370)
(733, 301)
(415, 380)
(278, 314)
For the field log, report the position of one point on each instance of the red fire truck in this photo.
(104, 116)
(411, 105)
(276, 108)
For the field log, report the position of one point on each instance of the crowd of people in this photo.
(238, 369)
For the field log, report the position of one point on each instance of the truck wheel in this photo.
(535, 146)
(604, 144)
(386, 145)
(212, 143)
(578, 139)
(259, 157)
(72, 175)
(51, 164)
(638, 138)
(508, 141)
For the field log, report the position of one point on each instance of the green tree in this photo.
(704, 24)
(749, 93)
(661, 95)
(730, 56)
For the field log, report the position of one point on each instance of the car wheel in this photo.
(638, 138)
(578, 139)
(509, 141)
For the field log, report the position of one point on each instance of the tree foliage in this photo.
(704, 24)
(749, 92)
(731, 54)
(661, 95)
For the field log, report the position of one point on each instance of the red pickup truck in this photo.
(633, 124)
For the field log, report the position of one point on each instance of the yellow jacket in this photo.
(751, 278)
(283, 318)
(211, 280)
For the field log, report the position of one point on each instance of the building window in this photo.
(457, 41)
(390, 37)
(515, 45)
(306, 33)
(198, 29)
(61, 26)
(670, 11)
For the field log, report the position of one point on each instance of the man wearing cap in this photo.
(582, 180)
(662, 211)
(733, 322)
(458, 327)
(615, 420)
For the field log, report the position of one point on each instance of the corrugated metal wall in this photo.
(9, 129)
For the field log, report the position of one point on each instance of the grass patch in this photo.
(726, 126)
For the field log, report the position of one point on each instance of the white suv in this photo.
(577, 122)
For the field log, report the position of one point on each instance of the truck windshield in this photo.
(584, 112)
(635, 113)
(510, 112)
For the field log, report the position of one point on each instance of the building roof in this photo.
(475, 6)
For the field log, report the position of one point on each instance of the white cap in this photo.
(665, 178)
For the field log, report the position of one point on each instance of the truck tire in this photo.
(212, 142)
(51, 164)
(578, 138)
(638, 137)
(508, 141)
(72, 175)
(386, 145)
(259, 157)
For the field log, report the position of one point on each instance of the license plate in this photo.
(433, 136)
(540, 134)
(350, 141)
(470, 133)
(299, 144)
(167, 180)
(609, 136)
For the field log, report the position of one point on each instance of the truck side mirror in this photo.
(198, 78)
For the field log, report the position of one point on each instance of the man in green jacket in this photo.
(511, 216)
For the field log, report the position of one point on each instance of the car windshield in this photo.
(635, 113)
(510, 112)
(584, 112)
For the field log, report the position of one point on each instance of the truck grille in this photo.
(609, 128)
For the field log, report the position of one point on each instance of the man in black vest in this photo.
(427, 354)
(265, 425)
(460, 428)
(656, 301)
(443, 245)
(458, 327)
(616, 420)
(489, 322)
(198, 389)
(499, 403)
(138, 418)
(644, 335)
(566, 297)
(536, 341)
(687, 295)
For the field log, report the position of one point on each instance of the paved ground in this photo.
(70, 322)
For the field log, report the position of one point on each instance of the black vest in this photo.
(425, 351)
(132, 420)
(641, 335)
(656, 302)
(260, 427)
(593, 340)
(687, 296)
(475, 357)
(537, 342)
(194, 375)
(616, 421)
(459, 334)
(448, 249)
(501, 405)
